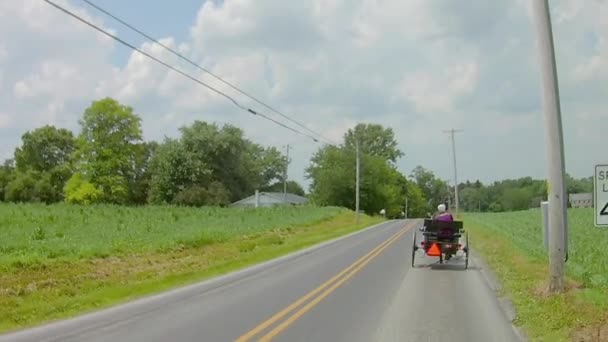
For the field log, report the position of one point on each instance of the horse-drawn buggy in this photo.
(442, 239)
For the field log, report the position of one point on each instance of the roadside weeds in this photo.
(579, 314)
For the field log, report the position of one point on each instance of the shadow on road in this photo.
(450, 267)
(455, 264)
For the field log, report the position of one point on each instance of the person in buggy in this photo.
(442, 214)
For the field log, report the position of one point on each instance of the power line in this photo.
(140, 32)
(231, 99)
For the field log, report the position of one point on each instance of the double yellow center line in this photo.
(320, 292)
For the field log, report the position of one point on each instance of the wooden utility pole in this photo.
(358, 162)
(285, 176)
(554, 145)
(452, 132)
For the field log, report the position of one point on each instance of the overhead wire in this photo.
(231, 99)
(198, 66)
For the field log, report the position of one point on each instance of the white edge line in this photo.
(110, 315)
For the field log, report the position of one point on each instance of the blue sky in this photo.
(418, 66)
(157, 18)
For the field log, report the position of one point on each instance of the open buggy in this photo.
(442, 239)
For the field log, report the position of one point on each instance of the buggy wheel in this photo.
(414, 249)
(466, 251)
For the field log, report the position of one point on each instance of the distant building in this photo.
(270, 199)
(583, 200)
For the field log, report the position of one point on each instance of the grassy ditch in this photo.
(512, 245)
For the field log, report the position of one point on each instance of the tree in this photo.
(516, 199)
(435, 190)
(80, 191)
(141, 181)
(206, 154)
(416, 202)
(332, 174)
(6, 175)
(240, 165)
(582, 185)
(45, 154)
(292, 187)
(109, 147)
(270, 164)
(470, 198)
(380, 187)
(197, 196)
(44, 149)
(374, 140)
(22, 188)
(173, 169)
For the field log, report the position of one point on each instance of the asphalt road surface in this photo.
(361, 288)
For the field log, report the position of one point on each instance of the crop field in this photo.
(36, 233)
(588, 255)
(60, 260)
(512, 243)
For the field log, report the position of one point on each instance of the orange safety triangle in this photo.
(434, 250)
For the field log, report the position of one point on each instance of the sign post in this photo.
(545, 211)
(600, 182)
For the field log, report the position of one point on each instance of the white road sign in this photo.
(601, 195)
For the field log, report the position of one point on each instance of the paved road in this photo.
(361, 288)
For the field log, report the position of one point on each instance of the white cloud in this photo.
(433, 92)
(49, 75)
(418, 66)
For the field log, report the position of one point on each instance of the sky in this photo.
(417, 66)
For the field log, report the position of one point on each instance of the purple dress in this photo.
(447, 217)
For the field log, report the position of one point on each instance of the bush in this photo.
(197, 196)
(22, 188)
(44, 191)
(194, 196)
(80, 191)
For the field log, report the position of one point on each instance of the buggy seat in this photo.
(442, 231)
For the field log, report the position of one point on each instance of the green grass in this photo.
(513, 246)
(58, 261)
(35, 233)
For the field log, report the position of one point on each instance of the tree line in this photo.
(513, 194)
(108, 161)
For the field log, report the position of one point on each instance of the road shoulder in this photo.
(494, 284)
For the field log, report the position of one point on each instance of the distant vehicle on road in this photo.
(442, 239)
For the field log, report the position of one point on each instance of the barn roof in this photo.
(272, 197)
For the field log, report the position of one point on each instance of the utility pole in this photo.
(285, 177)
(406, 208)
(452, 131)
(357, 181)
(554, 145)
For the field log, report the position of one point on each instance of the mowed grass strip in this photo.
(512, 244)
(59, 261)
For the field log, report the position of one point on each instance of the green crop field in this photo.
(61, 260)
(512, 243)
(36, 233)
